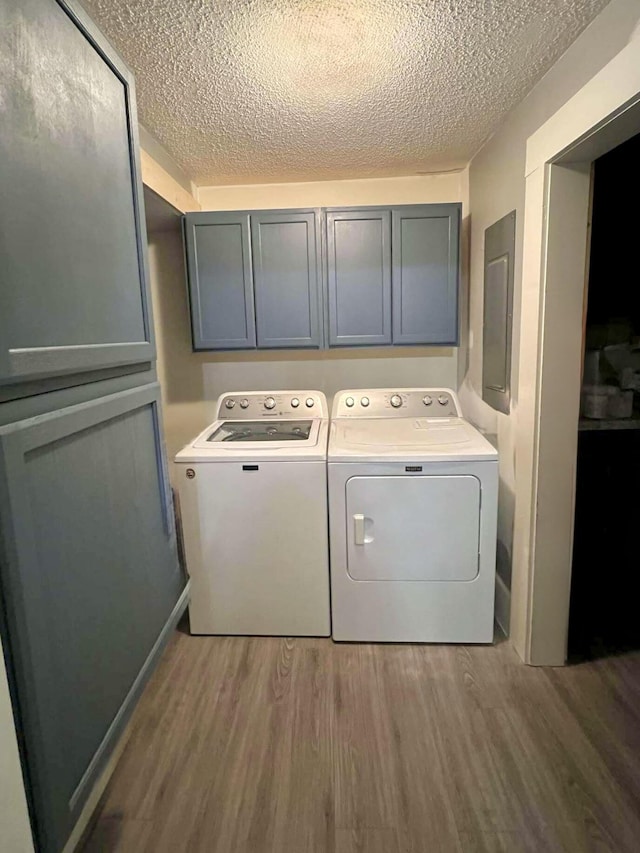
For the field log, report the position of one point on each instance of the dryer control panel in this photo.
(428, 403)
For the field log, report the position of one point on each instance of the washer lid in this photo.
(443, 439)
(266, 446)
(259, 431)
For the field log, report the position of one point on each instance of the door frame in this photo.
(559, 157)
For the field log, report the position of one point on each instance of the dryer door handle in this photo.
(358, 529)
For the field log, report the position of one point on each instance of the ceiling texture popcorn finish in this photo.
(258, 91)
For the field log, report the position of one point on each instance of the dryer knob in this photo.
(396, 401)
(443, 400)
(309, 402)
(295, 402)
(364, 402)
(349, 402)
(244, 403)
(269, 403)
(427, 400)
(230, 404)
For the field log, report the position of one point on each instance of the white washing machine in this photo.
(253, 500)
(413, 493)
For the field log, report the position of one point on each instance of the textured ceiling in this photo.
(253, 91)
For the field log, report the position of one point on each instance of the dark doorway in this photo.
(606, 556)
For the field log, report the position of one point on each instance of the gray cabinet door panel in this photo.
(285, 250)
(220, 280)
(425, 274)
(359, 277)
(90, 576)
(74, 281)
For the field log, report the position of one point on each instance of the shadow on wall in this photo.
(497, 428)
(182, 386)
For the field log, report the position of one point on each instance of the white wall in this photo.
(497, 186)
(413, 189)
(192, 381)
(15, 832)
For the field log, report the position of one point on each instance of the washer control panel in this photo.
(397, 402)
(251, 405)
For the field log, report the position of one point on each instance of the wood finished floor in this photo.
(305, 746)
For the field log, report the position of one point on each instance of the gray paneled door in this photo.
(89, 576)
(92, 580)
(220, 280)
(359, 277)
(425, 274)
(286, 250)
(72, 259)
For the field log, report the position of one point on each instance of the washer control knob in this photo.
(244, 403)
(269, 403)
(230, 403)
(295, 403)
(443, 400)
(427, 400)
(364, 402)
(309, 402)
(396, 401)
(349, 402)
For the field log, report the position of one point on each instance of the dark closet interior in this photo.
(603, 616)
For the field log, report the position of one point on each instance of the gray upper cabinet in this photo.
(220, 280)
(365, 276)
(425, 274)
(285, 252)
(359, 277)
(73, 276)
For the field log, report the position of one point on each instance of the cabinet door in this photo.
(90, 579)
(72, 233)
(285, 257)
(425, 274)
(359, 277)
(220, 280)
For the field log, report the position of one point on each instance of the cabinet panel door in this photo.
(286, 277)
(90, 578)
(425, 274)
(72, 233)
(220, 280)
(359, 277)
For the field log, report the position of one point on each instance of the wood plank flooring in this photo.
(249, 745)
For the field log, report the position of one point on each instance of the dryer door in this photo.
(413, 528)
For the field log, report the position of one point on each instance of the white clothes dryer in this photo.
(413, 491)
(253, 501)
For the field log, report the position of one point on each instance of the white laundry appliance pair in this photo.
(410, 502)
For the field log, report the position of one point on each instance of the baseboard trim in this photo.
(79, 832)
(503, 605)
(115, 731)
